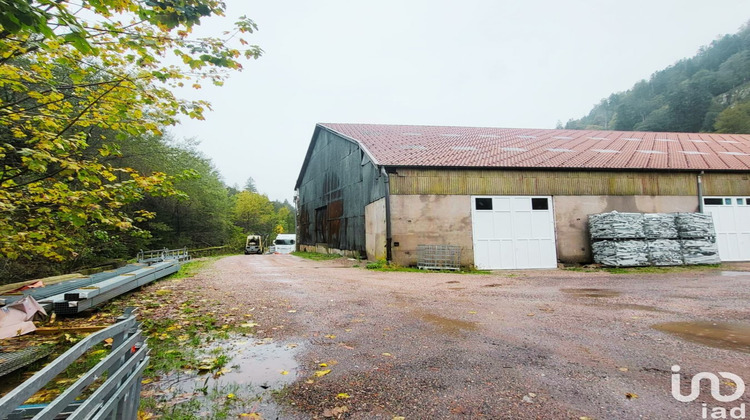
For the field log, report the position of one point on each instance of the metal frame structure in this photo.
(439, 257)
(159, 255)
(118, 397)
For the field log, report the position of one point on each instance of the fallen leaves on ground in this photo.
(335, 412)
(319, 373)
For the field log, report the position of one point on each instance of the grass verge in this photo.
(382, 265)
(316, 256)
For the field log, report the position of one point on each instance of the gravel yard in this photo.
(521, 344)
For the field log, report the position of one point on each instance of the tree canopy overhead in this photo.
(77, 78)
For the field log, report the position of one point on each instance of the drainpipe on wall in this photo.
(700, 192)
(388, 238)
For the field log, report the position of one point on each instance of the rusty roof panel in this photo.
(436, 146)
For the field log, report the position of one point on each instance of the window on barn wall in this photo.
(539, 204)
(484, 203)
(321, 225)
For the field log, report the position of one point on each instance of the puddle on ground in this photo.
(721, 335)
(735, 273)
(255, 369)
(595, 293)
(634, 306)
(447, 325)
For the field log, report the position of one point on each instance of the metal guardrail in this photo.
(159, 255)
(78, 300)
(118, 397)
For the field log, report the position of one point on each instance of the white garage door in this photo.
(732, 222)
(513, 232)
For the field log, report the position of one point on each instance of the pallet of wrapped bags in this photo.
(615, 225)
(625, 253)
(700, 251)
(664, 252)
(660, 226)
(695, 225)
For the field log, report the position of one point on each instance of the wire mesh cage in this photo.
(439, 257)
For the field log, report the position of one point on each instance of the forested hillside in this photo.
(87, 174)
(709, 92)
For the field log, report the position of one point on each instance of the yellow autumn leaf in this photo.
(342, 396)
(323, 365)
(231, 396)
(251, 415)
(285, 372)
(147, 381)
(144, 415)
(331, 336)
(319, 373)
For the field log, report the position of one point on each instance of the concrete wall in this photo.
(446, 219)
(430, 220)
(375, 232)
(571, 217)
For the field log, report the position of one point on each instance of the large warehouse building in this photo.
(510, 198)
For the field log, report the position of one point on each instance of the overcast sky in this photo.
(502, 63)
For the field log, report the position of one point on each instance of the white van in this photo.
(285, 243)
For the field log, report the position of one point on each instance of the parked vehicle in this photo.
(285, 243)
(254, 245)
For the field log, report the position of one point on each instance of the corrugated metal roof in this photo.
(436, 146)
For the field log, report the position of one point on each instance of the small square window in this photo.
(740, 201)
(728, 201)
(539, 204)
(747, 201)
(713, 201)
(483, 203)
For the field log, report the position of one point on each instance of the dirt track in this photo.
(524, 344)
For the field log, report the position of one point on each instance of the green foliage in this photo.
(735, 119)
(254, 213)
(74, 89)
(201, 216)
(688, 96)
